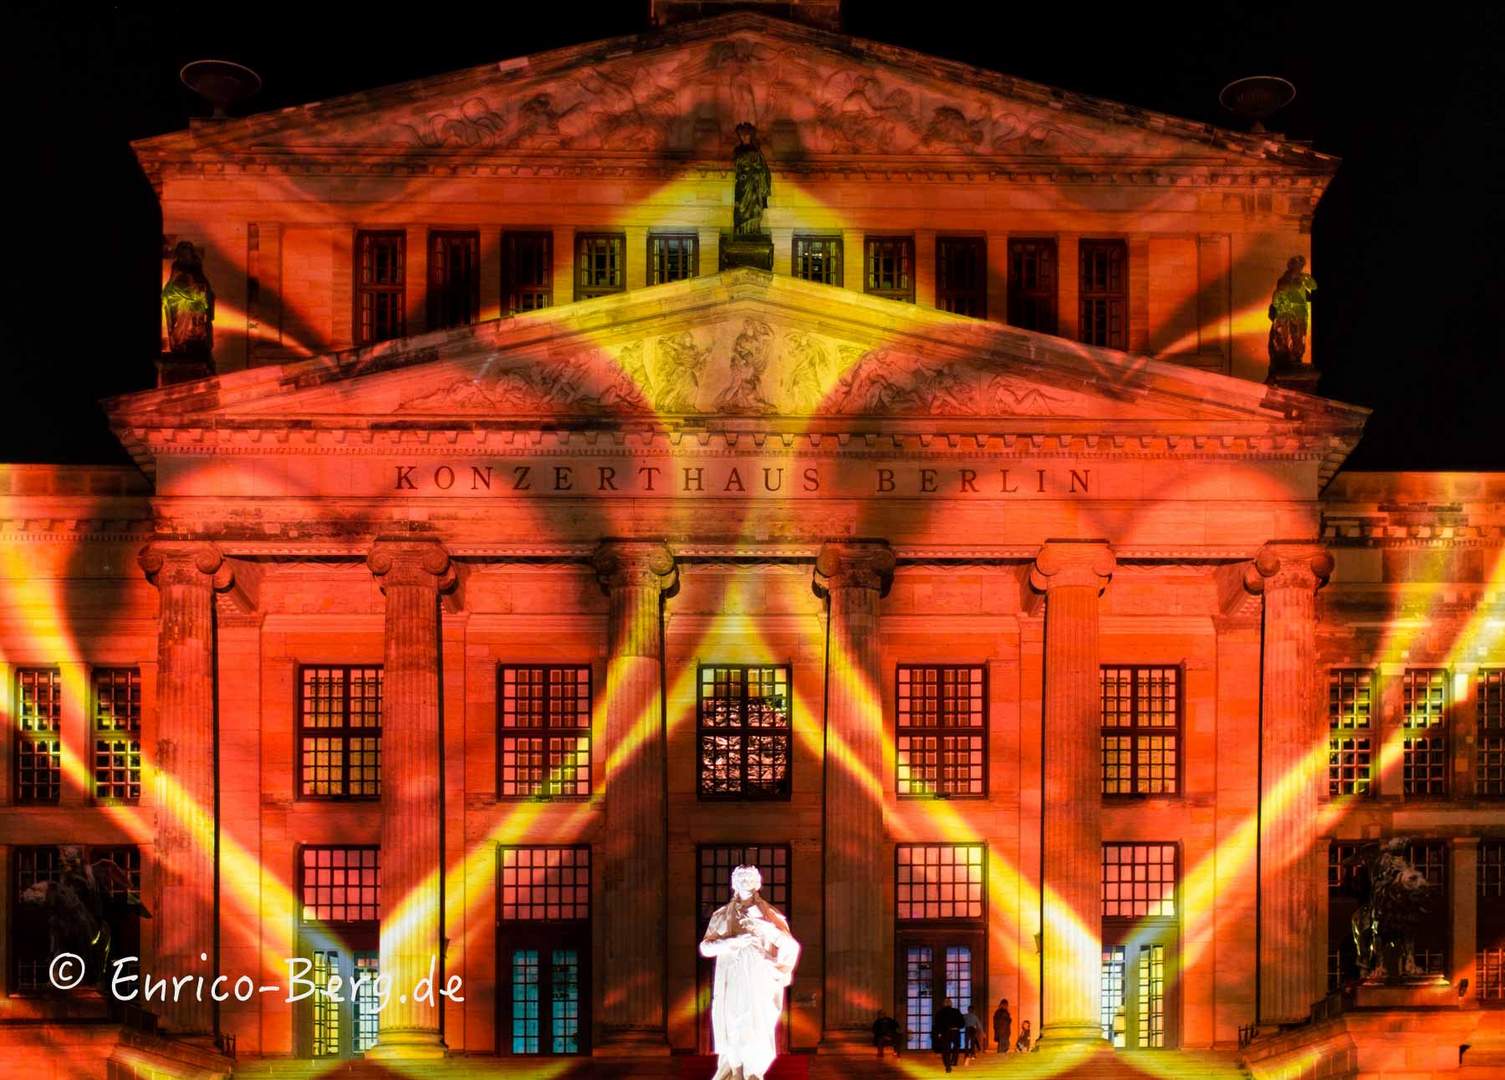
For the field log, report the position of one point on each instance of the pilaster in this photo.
(1463, 895)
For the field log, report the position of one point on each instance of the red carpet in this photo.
(785, 1067)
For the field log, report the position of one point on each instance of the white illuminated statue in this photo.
(755, 957)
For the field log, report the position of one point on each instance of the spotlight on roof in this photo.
(222, 83)
(1257, 98)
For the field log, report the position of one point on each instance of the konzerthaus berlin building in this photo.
(510, 571)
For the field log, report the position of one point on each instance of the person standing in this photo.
(948, 1030)
(1003, 1026)
(976, 1038)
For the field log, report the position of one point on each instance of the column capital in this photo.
(185, 562)
(626, 563)
(855, 564)
(1289, 564)
(405, 561)
(1073, 562)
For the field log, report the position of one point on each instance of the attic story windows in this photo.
(380, 281)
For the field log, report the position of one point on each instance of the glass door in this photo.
(1137, 994)
(544, 1007)
(931, 969)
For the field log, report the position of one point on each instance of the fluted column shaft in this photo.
(1293, 758)
(412, 575)
(635, 576)
(1072, 574)
(854, 576)
(186, 575)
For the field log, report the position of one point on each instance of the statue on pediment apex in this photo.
(1288, 314)
(188, 304)
(754, 183)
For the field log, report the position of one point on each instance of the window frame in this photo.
(440, 290)
(345, 732)
(1337, 732)
(1116, 301)
(591, 292)
(1439, 730)
(1047, 255)
(968, 920)
(545, 731)
(44, 742)
(504, 920)
(102, 739)
(832, 257)
(1489, 923)
(512, 289)
(1489, 733)
(870, 244)
(1176, 899)
(1134, 732)
(946, 293)
(785, 790)
(92, 853)
(364, 336)
(939, 731)
(657, 253)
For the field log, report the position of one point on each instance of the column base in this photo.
(1069, 1033)
(407, 1046)
(633, 1042)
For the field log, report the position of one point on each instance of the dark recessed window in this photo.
(1434, 936)
(1103, 293)
(30, 936)
(717, 863)
(961, 275)
(39, 741)
(380, 280)
(454, 279)
(888, 267)
(941, 730)
(339, 733)
(545, 728)
(744, 733)
(672, 257)
(1032, 285)
(527, 271)
(1490, 925)
(1489, 757)
(817, 258)
(1141, 732)
(117, 734)
(1424, 742)
(600, 264)
(1350, 746)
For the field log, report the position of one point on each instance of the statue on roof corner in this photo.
(1288, 315)
(753, 183)
(188, 303)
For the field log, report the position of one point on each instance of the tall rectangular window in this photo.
(39, 741)
(454, 279)
(1103, 293)
(744, 731)
(1032, 285)
(1489, 752)
(117, 734)
(31, 866)
(543, 905)
(527, 271)
(600, 264)
(545, 731)
(1345, 887)
(1424, 743)
(939, 881)
(1434, 935)
(339, 733)
(1141, 732)
(380, 282)
(1139, 881)
(941, 730)
(1350, 750)
(339, 894)
(888, 267)
(818, 258)
(672, 257)
(1490, 921)
(961, 275)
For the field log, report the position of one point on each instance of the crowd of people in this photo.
(958, 1036)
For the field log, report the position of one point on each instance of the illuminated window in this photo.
(1032, 285)
(942, 730)
(961, 275)
(1350, 751)
(117, 734)
(888, 263)
(545, 731)
(39, 743)
(744, 732)
(1139, 881)
(1489, 754)
(1103, 293)
(340, 884)
(30, 938)
(716, 863)
(1141, 732)
(339, 890)
(380, 281)
(939, 881)
(1490, 924)
(454, 279)
(672, 257)
(1424, 746)
(544, 884)
(818, 258)
(527, 271)
(600, 264)
(339, 733)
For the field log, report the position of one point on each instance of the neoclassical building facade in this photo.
(514, 566)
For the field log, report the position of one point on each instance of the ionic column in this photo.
(412, 575)
(635, 575)
(1293, 768)
(853, 577)
(1072, 574)
(186, 575)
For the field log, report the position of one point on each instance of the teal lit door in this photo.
(546, 995)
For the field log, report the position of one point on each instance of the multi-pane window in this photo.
(527, 271)
(1489, 754)
(939, 881)
(1490, 926)
(544, 884)
(1103, 293)
(339, 733)
(744, 731)
(39, 741)
(1434, 935)
(1350, 749)
(1345, 887)
(340, 884)
(380, 281)
(454, 279)
(1424, 744)
(717, 863)
(818, 258)
(600, 264)
(1139, 881)
(117, 734)
(942, 730)
(1141, 732)
(31, 953)
(339, 894)
(888, 267)
(1032, 285)
(672, 257)
(545, 731)
(961, 275)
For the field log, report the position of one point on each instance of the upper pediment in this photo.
(678, 94)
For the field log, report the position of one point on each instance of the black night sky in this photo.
(1408, 241)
